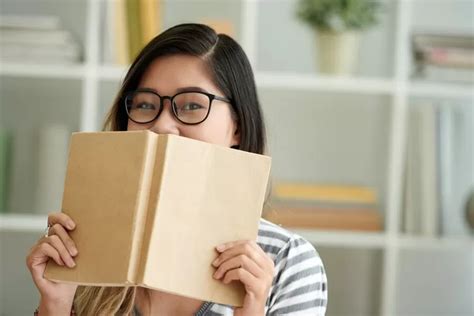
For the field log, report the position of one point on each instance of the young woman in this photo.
(192, 82)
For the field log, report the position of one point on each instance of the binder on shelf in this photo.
(146, 205)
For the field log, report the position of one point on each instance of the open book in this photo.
(150, 209)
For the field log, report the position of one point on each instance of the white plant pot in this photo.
(337, 51)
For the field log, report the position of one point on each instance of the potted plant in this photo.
(338, 24)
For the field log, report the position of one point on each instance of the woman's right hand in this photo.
(59, 247)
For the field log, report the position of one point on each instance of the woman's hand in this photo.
(59, 247)
(245, 261)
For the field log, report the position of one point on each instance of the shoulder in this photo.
(300, 282)
(277, 242)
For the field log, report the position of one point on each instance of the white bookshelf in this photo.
(91, 74)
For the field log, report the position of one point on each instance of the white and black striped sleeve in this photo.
(300, 284)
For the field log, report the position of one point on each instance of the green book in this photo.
(5, 152)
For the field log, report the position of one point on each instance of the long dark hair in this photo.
(231, 72)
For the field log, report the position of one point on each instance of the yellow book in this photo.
(121, 34)
(135, 40)
(329, 193)
(150, 17)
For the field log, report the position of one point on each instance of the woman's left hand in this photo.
(245, 261)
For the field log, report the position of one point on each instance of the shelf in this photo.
(295, 81)
(23, 222)
(343, 238)
(436, 89)
(320, 238)
(42, 71)
(436, 243)
(292, 81)
(269, 80)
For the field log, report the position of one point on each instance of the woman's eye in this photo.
(145, 106)
(191, 106)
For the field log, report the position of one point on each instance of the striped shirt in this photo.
(299, 284)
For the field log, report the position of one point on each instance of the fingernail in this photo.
(70, 224)
(73, 251)
(215, 275)
(214, 263)
(220, 247)
(72, 263)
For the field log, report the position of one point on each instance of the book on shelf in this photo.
(421, 214)
(442, 57)
(326, 218)
(150, 210)
(458, 127)
(447, 74)
(42, 41)
(128, 26)
(323, 192)
(439, 168)
(5, 164)
(323, 206)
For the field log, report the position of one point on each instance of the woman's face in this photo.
(170, 74)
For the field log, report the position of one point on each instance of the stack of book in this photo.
(325, 207)
(444, 57)
(439, 174)
(36, 39)
(129, 25)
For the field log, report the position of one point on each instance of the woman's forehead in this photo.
(169, 74)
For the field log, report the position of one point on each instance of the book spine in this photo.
(150, 18)
(121, 34)
(429, 177)
(134, 33)
(5, 152)
(143, 199)
(327, 218)
(152, 207)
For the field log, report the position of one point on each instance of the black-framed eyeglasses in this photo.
(189, 107)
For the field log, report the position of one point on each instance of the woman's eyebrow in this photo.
(179, 90)
(185, 89)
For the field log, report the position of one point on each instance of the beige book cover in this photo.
(151, 208)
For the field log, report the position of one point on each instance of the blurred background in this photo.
(369, 110)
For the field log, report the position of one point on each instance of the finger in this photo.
(57, 243)
(59, 230)
(223, 247)
(227, 245)
(251, 282)
(248, 248)
(62, 219)
(48, 251)
(241, 261)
